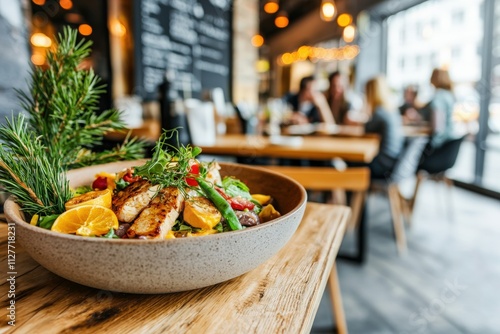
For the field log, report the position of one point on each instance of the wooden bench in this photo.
(356, 180)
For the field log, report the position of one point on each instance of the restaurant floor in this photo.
(449, 281)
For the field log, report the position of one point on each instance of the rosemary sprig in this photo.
(38, 182)
(62, 104)
(61, 128)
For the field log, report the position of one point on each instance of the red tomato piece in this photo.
(101, 183)
(240, 203)
(131, 179)
(194, 170)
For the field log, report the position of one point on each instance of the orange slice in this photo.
(95, 197)
(86, 220)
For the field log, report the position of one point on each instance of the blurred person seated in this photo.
(384, 121)
(309, 105)
(346, 105)
(336, 97)
(439, 111)
(409, 108)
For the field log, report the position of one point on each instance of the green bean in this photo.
(221, 204)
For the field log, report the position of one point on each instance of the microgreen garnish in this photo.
(169, 165)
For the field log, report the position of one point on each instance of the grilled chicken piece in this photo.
(159, 217)
(129, 202)
(213, 175)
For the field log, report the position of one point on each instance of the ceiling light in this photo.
(117, 28)
(344, 20)
(271, 6)
(327, 11)
(349, 33)
(38, 59)
(41, 40)
(39, 2)
(257, 41)
(66, 4)
(281, 21)
(85, 29)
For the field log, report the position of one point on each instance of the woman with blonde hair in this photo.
(439, 111)
(386, 123)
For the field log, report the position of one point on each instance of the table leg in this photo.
(361, 241)
(336, 298)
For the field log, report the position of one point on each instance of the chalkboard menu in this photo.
(186, 42)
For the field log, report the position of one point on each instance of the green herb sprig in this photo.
(169, 165)
(60, 131)
(26, 171)
(62, 102)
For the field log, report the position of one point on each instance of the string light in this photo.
(328, 10)
(315, 54)
(271, 6)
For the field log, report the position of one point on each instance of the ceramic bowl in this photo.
(172, 265)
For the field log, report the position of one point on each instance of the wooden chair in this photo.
(434, 165)
(356, 180)
(405, 168)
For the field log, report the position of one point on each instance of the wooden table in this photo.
(317, 148)
(280, 296)
(416, 130)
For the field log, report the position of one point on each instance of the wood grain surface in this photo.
(280, 296)
(357, 149)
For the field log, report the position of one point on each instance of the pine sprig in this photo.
(128, 150)
(62, 105)
(62, 128)
(38, 183)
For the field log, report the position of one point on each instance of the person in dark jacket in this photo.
(385, 122)
(309, 105)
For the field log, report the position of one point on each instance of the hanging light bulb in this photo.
(349, 33)
(327, 10)
(281, 21)
(344, 20)
(271, 6)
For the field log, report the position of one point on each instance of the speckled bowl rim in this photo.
(10, 208)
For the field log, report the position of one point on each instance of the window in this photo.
(418, 61)
(458, 17)
(463, 58)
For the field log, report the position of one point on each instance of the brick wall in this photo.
(245, 56)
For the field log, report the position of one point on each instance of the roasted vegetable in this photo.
(220, 203)
(200, 212)
(262, 199)
(268, 213)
